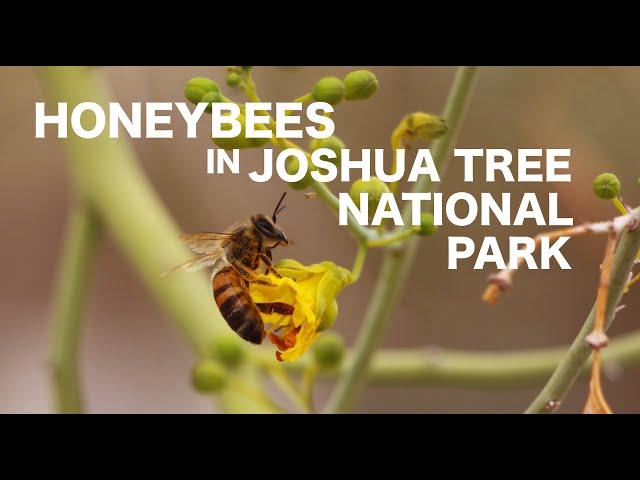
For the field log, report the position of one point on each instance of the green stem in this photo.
(393, 237)
(106, 173)
(623, 211)
(466, 369)
(396, 265)
(619, 206)
(81, 240)
(632, 281)
(245, 394)
(250, 87)
(579, 352)
(358, 263)
(306, 98)
(308, 381)
(282, 379)
(324, 193)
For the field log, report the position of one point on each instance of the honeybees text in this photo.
(235, 128)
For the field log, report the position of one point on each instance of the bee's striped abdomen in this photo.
(236, 306)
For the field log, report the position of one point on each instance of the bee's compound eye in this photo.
(265, 227)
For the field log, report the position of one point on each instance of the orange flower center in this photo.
(285, 342)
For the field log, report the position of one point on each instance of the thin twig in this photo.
(631, 282)
(596, 403)
(82, 238)
(598, 339)
(308, 381)
(503, 280)
(358, 263)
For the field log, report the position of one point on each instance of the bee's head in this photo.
(268, 228)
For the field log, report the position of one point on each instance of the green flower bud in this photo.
(229, 351)
(197, 87)
(208, 377)
(329, 317)
(426, 126)
(360, 85)
(374, 188)
(427, 227)
(332, 143)
(328, 351)
(240, 141)
(606, 186)
(234, 79)
(292, 167)
(329, 89)
(211, 97)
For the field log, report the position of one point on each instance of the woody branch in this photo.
(503, 280)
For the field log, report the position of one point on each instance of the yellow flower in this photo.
(311, 291)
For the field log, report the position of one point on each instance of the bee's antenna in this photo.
(279, 208)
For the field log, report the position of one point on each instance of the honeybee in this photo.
(237, 256)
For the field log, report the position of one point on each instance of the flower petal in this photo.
(311, 291)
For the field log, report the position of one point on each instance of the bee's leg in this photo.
(267, 261)
(248, 276)
(275, 307)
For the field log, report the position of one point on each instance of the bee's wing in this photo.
(209, 246)
(206, 243)
(197, 263)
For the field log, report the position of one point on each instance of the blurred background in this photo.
(133, 360)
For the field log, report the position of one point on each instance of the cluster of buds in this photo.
(234, 76)
(359, 85)
(204, 90)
